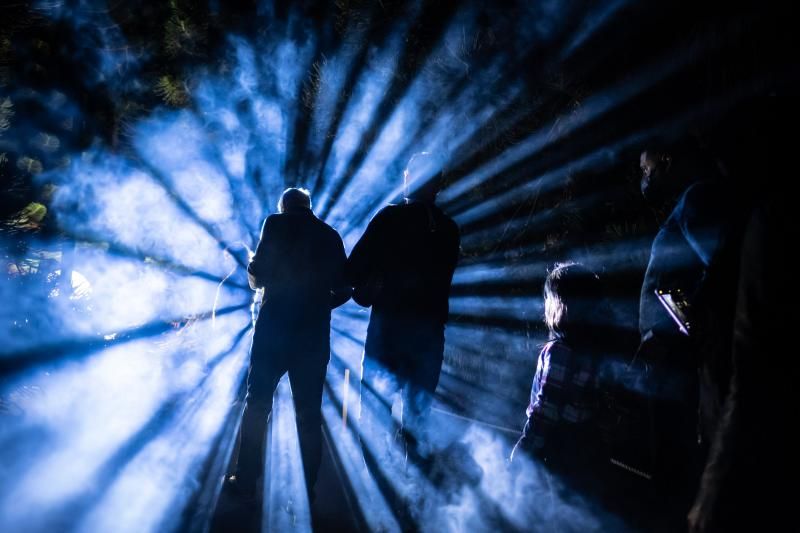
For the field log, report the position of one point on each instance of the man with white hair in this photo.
(299, 262)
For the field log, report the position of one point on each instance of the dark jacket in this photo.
(403, 266)
(683, 251)
(695, 251)
(300, 263)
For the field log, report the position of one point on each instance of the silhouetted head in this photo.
(668, 169)
(656, 167)
(574, 298)
(294, 199)
(422, 177)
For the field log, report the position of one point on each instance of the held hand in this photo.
(651, 352)
(366, 294)
(340, 296)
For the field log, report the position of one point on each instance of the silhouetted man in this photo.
(693, 260)
(300, 263)
(402, 266)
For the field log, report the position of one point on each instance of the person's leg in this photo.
(377, 389)
(423, 377)
(262, 379)
(421, 370)
(307, 379)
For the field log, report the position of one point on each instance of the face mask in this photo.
(655, 188)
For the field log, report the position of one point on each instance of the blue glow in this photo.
(127, 338)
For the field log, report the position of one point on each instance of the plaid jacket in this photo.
(563, 399)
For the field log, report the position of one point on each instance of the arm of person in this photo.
(704, 221)
(341, 291)
(455, 250)
(363, 263)
(257, 269)
(547, 401)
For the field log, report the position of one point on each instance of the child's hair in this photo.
(573, 296)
